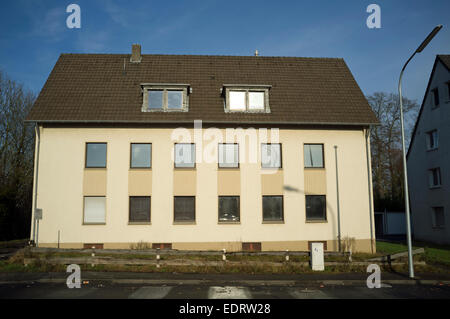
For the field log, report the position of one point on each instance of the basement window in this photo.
(239, 98)
(165, 97)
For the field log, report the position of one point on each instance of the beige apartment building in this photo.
(196, 152)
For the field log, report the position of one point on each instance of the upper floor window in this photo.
(448, 90)
(432, 140)
(95, 155)
(247, 98)
(271, 155)
(229, 155)
(165, 97)
(141, 155)
(185, 155)
(435, 96)
(434, 177)
(313, 155)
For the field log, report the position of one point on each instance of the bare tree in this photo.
(386, 148)
(16, 159)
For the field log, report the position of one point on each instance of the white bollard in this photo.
(93, 255)
(158, 257)
(287, 255)
(224, 257)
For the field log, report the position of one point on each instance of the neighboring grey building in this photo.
(429, 159)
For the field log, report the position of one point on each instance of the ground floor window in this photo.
(184, 209)
(316, 207)
(437, 217)
(229, 210)
(139, 209)
(273, 208)
(94, 209)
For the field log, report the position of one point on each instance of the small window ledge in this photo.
(93, 224)
(184, 223)
(273, 222)
(435, 187)
(139, 223)
(228, 223)
(318, 221)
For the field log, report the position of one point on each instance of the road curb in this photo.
(177, 282)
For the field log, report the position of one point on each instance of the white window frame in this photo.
(247, 89)
(184, 88)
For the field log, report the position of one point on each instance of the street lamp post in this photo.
(405, 174)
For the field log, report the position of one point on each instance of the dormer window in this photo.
(165, 97)
(251, 98)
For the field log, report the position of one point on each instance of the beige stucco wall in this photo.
(94, 182)
(315, 181)
(140, 182)
(62, 184)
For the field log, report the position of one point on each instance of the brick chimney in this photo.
(136, 53)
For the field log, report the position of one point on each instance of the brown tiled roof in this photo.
(94, 88)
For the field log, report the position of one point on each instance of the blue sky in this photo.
(34, 33)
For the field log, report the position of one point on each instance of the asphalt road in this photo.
(105, 290)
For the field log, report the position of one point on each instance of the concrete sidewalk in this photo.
(133, 278)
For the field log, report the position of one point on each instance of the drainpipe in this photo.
(369, 182)
(36, 169)
(337, 197)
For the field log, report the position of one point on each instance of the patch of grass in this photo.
(387, 248)
(142, 245)
(434, 254)
(14, 243)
